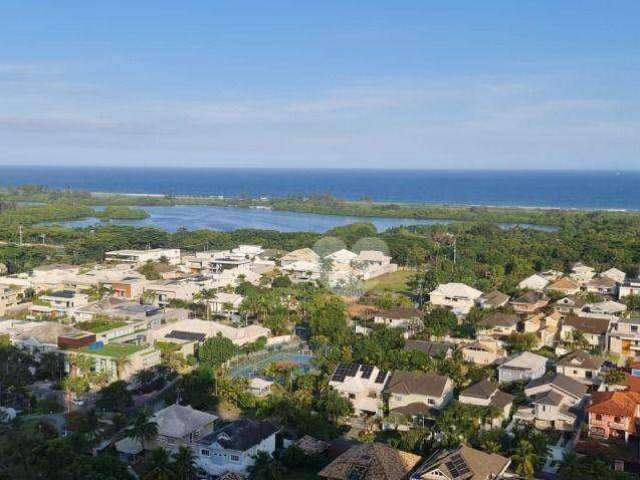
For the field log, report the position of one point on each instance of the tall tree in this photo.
(143, 429)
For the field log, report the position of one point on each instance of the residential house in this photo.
(433, 349)
(549, 330)
(140, 257)
(373, 259)
(569, 304)
(593, 330)
(10, 296)
(302, 271)
(373, 263)
(498, 324)
(462, 463)
(523, 366)
(226, 304)
(177, 426)
(59, 304)
(606, 308)
(535, 282)
(371, 461)
(457, 296)
(109, 358)
(300, 255)
(483, 352)
(631, 286)
(530, 302)
(343, 256)
(164, 291)
(407, 319)
(551, 275)
(238, 335)
(565, 286)
(624, 337)
(260, 387)
(554, 402)
(582, 273)
(413, 396)
(129, 287)
(37, 337)
(602, 286)
(486, 393)
(614, 415)
(362, 385)
(581, 366)
(494, 299)
(234, 446)
(618, 275)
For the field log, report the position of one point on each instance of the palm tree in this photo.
(144, 429)
(184, 463)
(265, 468)
(159, 466)
(90, 425)
(122, 362)
(524, 459)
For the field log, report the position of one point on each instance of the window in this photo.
(234, 458)
(205, 452)
(617, 419)
(431, 401)
(598, 417)
(634, 328)
(398, 397)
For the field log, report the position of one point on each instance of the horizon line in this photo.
(410, 169)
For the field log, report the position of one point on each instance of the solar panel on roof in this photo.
(457, 466)
(367, 370)
(352, 370)
(381, 376)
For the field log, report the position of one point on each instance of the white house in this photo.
(581, 272)
(524, 366)
(631, 286)
(140, 257)
(362, 385)
(553, 401)
(615, 274)
(580, 366)
(300, 255)
(225, 303)
(342, 256)
(238, 335)
(534, 282)
(233, 447)
(457, 296)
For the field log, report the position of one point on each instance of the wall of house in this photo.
(604, 425)
(506, 374)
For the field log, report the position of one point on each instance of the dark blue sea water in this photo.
(569, 189)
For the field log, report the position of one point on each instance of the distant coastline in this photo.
(566, 190)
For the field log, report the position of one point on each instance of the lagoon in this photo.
(196, 217)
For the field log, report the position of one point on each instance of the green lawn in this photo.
(99, 326)
(115, 350)
(390, 282)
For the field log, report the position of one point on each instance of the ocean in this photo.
(561, 189)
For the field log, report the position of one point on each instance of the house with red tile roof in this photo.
(614, 414)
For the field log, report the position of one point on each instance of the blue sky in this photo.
(376, 84)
